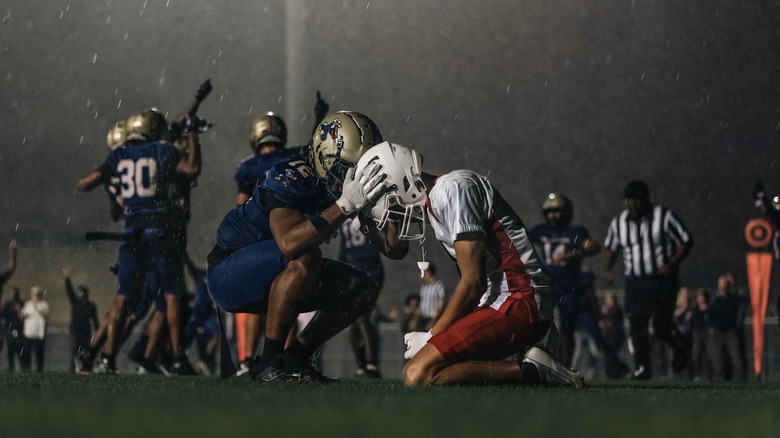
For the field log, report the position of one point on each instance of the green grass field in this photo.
(64, 405)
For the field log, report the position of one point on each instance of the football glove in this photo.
(196, 124)
(203, 91)
(361, 188)
(414, 342)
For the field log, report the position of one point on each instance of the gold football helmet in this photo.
(148, 125)
(338, 143)
(116, 135)
(559, 202)
(268, 128)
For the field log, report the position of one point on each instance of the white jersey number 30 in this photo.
(139, 178)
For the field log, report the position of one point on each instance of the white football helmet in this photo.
(406, 199)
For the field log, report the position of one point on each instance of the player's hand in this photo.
(203, 91)
(320, 108)
(196, 124)
(608, 277)
(414, 342)
(361, 188)
(66, 272)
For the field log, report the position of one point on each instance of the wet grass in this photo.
(65, 405)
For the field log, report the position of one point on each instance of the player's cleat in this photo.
(182, 367)
(308, 374)
(268, 370)
(367, 373)
(104, 366)
(641, 373)
(147, 366)
(83, 363)
(552, 372)
(243, 368)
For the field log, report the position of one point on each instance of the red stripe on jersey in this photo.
(501, 247)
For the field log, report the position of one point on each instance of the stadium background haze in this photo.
(577, 97)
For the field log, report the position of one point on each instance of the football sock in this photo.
(530, 373)
(272, 347)
(297, 355)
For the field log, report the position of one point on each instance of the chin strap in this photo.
(422, 264)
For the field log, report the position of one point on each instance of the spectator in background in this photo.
(35, 313)
(10, 266)
(432, 295)
(725, 316)
(654, 242)
(83, 316)
(682, 318)
(700, 327)
(13, 328)
(612, 332)
(412, 319)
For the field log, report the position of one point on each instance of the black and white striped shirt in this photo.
(646, 243)
(429, 298)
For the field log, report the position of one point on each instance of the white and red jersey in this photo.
(463, 201)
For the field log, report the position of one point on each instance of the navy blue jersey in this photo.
(355, 246)
(253, 170)
(290, 184)
(554, 241)
(144, 171)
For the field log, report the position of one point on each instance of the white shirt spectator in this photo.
(34, 315)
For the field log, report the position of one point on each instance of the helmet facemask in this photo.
(405, 215)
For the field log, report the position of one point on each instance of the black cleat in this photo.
(182, 367)
(105, 366)
(641, 373)
(308, 375)
(83, 363)
(268, 370)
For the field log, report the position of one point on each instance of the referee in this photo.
(654, 242)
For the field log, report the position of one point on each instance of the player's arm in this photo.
(190, 163)
(610, 257)
(385, 240)
(94, 179)
(10, 264)
(241, 198)
(69, 285)
(589, 247)
(296, 235)
(192, 108)
(681, 251)
(470, 255)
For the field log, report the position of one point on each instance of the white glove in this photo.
(414, 342)
(361, 188)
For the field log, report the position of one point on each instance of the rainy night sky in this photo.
(572, 96)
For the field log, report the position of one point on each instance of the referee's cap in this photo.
(637, 190)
